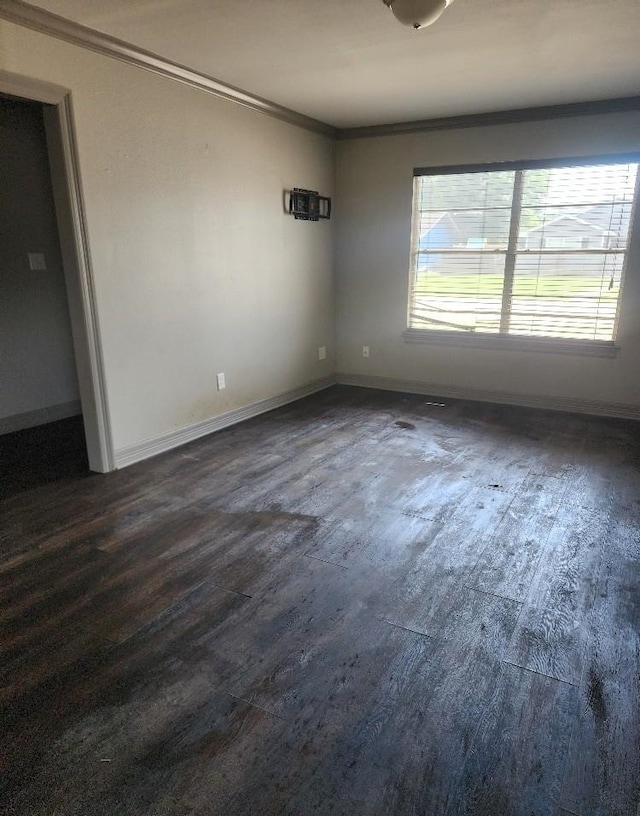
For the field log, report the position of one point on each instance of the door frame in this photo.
(76, 259)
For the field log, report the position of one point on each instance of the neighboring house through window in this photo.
(529, 249)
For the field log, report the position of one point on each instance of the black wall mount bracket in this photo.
(308, 205)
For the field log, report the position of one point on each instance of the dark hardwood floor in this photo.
(362, 603)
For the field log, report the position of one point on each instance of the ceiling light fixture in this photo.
(417, 13)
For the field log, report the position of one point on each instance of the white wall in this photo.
(374, 223)
(197, 268)
(37, 369)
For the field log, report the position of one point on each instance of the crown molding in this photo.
(507, 117)
(45, 22)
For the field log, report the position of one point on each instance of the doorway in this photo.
(53, 105)
(41, 435)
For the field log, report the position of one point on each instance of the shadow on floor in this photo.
(36, 456)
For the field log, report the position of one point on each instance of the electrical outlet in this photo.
(365, 351)
(322, 353)
(220, 381)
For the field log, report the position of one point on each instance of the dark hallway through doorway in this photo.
(37, 456)
(41, 430)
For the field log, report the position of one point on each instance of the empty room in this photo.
(320, 408)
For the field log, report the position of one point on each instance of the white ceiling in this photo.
(349, 63)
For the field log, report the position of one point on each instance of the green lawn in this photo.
(435, 283)
(580, 306)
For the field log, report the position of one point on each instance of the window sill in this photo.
(501, 342)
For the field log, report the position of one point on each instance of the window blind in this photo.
(521, 250)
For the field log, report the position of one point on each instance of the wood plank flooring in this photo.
(363, 603)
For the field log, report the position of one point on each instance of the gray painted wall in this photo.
(37, 369)
(373, 251)
(197, 268)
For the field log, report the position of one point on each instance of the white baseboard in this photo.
(41, 416)
(569, 404)
(160, 444)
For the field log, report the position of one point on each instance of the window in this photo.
(529, 250)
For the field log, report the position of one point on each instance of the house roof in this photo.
(467, 225)
(598, 219)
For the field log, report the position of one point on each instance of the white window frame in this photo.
(596, 348)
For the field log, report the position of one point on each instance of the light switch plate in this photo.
(37, 262)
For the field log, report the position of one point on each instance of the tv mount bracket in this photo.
(307, 205)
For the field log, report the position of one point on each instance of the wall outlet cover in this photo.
(365, 351)
(220, 382)
(322, 353)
